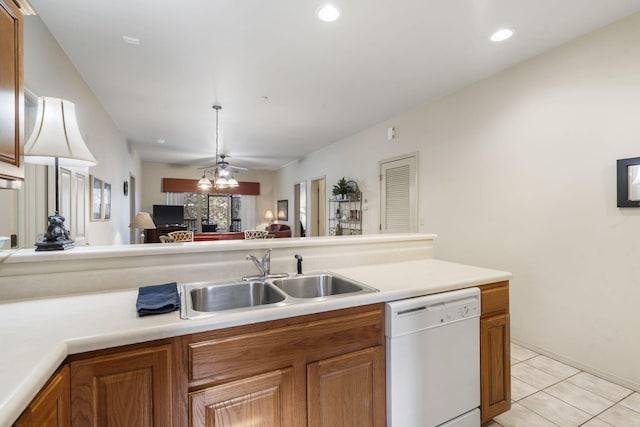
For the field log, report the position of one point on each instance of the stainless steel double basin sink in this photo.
(205, 299)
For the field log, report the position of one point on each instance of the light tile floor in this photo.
(545, 392)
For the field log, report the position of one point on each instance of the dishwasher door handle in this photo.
(411, 310)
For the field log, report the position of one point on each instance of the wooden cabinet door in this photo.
(50, 408)
(495, 363)
(265, 400)
(130, 388)
(11, 92)
(347, 390)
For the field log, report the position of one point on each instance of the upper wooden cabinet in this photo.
(11, 91)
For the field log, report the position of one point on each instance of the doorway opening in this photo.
(300, 209)
(317, 208)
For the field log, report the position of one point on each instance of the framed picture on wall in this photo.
(96, 199)
(106, 201)
(283, 210)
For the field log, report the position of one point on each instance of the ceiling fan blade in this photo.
(236, 168)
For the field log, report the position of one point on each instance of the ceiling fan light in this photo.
(232, 182)
(222, 183)
(204, 183)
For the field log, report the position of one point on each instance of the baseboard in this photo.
(578, 365)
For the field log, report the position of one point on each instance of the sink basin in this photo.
(320, 285)
(201, 299)
(205, 299)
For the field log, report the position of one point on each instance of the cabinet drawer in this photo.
(265, 346)
(495, 298)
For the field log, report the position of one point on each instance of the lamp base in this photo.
(57, 237)
(59, 245)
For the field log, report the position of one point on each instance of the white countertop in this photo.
(38, 334)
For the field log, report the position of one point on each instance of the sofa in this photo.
(279, 230)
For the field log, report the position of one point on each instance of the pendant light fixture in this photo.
(222, 177)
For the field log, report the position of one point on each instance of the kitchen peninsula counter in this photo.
(40, 332)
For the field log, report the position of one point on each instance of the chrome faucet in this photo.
(263, 266)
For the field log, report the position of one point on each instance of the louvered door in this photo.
(398, 195)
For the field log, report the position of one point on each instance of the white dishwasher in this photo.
(433, 360)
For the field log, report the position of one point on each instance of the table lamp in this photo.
(56, 140)
(143, 221)
(269, 217)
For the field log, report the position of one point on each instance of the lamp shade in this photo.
(204, 183)
(56, 135)
(269, 215)
(142, 220)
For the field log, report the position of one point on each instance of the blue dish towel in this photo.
(158, 299)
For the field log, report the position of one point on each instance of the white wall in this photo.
(49, 72)
(8, 215)
(151, 185)
(517, 172)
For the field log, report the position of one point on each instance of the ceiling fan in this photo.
(221, 172)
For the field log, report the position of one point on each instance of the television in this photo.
(166, 215)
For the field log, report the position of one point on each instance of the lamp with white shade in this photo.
(56, 140)
(269, 216)
(143, 221)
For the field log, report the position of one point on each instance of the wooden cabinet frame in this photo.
(229, 362)
(495, 351)
(11, 82)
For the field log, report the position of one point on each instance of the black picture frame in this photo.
(624, 184)
(283, 210)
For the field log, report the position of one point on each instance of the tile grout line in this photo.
(550, 395)
(614, 403)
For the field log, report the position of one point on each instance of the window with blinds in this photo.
(398, 204)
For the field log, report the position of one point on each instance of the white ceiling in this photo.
(324, 81)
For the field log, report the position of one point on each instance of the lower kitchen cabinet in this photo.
(127, 388)
(347, 390)
(50, 408)
(495, 351)
(265, 400)
(324, 369)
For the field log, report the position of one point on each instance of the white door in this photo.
(317, 204)
(399, 194)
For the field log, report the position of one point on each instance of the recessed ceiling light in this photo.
(131, 40)
(501, 35)
(160, 141)
(328, 13)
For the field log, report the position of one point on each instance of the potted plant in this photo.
(341, 189)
